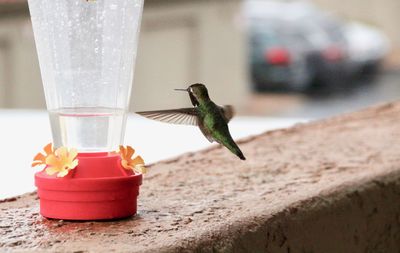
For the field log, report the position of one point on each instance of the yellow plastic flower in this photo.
(136, 164)
(40, 159)
(140, 168)
(61, 162)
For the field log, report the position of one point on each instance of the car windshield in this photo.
(264, 33)
(334, 30)
(263, 38)
(314, 33)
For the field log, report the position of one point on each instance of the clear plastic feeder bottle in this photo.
(87, 52)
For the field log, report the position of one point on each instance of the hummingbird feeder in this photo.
(87, 52)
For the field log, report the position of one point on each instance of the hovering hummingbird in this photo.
(209, 117)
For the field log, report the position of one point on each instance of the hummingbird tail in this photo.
(240, 155)
(233, 147)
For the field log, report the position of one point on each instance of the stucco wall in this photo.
(323, 187)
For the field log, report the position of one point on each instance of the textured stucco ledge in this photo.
(327, 186)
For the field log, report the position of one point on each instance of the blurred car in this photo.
(330, 59)
(367, 47)
(278, 58)
(313, 40)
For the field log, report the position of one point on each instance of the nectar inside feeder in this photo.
(87, 51)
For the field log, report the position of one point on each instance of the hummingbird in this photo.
(210, 118)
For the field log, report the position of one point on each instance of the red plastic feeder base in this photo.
(99, 188)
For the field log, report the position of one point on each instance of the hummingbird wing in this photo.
(206, 133)
(182, 116)
(228, 112)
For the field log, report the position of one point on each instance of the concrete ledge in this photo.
(328, 186)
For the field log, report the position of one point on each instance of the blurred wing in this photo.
(228, 112)
(183, 116)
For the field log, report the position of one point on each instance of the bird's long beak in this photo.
(181, 90)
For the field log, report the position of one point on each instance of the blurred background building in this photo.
(279, 58)
(181, 42)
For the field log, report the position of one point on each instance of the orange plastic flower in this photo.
(136, 164)
(40, 159)
(61, 162)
